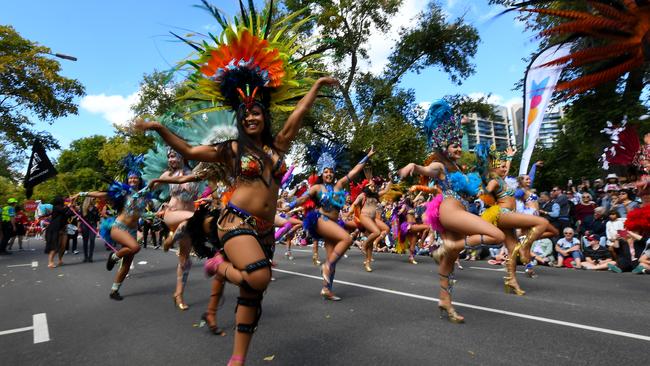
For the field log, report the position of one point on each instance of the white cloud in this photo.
(496, 99)
(113, 108)
(381, 43)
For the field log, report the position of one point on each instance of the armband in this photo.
(364, 160)
(292, 205)
(83, 194)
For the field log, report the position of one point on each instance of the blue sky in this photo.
(116, 42)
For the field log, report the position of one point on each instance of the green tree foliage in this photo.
(30, 85)
(82, 153)
(158, 94)
(372, 109)
(9, 189)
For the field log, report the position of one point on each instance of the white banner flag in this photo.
(539, 86)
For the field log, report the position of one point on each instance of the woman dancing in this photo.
(409, 231)
(250, 75)
(130, 200)
(368, 217)
(503, 215)
(524, 192)
(324, 222)
(176, 213)
(447, 212)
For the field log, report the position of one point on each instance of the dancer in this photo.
(250, 75)
(524, 193)
(368, 219)
(324, 222)
(130, 200)
(503, 215)
(55, 235)
(447, 212)
(408, 230)
(177, 211)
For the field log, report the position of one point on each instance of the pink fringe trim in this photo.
(432, 214)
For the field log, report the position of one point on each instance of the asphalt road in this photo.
(387, 317)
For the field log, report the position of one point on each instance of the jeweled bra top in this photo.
(331, 200)
(252, 167)
(185, 192)
(503, 190)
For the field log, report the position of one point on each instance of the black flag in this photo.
(39, 170)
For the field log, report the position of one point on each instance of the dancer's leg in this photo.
(535, 225)
(216, 295)
(373, 232)
(383, 228)
(248, 268)
(471, 229)
(337, 242)
(128, 251)
(510, 281)
(182, 271)
(446, 279)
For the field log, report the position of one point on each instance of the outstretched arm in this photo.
(432, 170)
(356, 170)
(89, 194)
(198, 153)
(290, 129)
(173, 180)
(386, 189)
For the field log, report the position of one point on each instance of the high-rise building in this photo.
(497, 131)
(548, 131)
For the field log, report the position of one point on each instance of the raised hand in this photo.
(407, 170)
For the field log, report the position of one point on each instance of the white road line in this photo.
(17, 330)
(35, 264)
(20, 265)
(483, 308)
(41, 331)
(39, 326)
(495, 269)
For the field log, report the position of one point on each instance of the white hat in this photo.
(611, 176)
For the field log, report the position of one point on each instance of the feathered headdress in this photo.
(441, 127)
(132, 165)
(250, 62)
(495, 157)
(325, 155)
(614, 34)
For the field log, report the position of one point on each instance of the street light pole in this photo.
(61, 55)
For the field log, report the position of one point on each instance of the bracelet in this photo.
(508, 158)
(364, 160)
(83, 194)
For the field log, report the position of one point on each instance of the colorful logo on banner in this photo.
(536, 97)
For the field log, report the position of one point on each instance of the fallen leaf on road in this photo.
(60, 275)
(269, 358)
(327, 316)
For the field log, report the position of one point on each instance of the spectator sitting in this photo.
(596, 256)
(613, 226)
(559, 215)
(628, 251)
(597, 226)
(568, 246)
(625, 203)
(584, 211)
(542, 252)
(499, 255)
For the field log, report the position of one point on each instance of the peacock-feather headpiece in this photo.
(325, 155)
(441, 127)
(496, 157)
(251, 62)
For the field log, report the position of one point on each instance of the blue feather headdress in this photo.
(133, 165)
(325, 155)
(441, 127)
